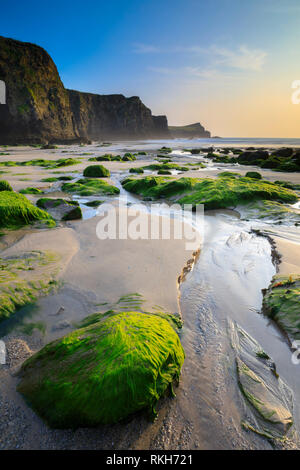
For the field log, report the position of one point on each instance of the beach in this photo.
(218, 280)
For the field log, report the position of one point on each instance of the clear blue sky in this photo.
(190, 59)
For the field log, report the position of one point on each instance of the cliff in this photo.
(190, 131)
(114, 117)
(39, 109)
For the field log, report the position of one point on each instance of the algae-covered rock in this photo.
(136, 170)
(214, 193)
(24, 278)
(31, 191)
(94, 203)
(128, 157)
(60, 209)
(90, 187)
(253, 174)
(16, 210)
(96, 171)
(5, 186)
(73, 214)
(119, 364)
(270, 210)
(268, 400)
(165, 166)
(282, 303)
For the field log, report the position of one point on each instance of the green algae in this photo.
(16, 210)
(90, 187)
(48, 164)
(45, 202)
(104, 372)
(165, 166)
(96, 171)
(108, 157)
(31, 191)
(28, 328)
(51, 179)
(5, 186)
(253, 174)
(281, 303)
(68, 210)
(74, 214)
(95, 203)
(215, 193)
(128, 157)
(136, 170)
(269, 410)
(18, 283)
(271, 210)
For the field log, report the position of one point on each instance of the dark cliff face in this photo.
(39, 109)
(37, 104)
(113, 116)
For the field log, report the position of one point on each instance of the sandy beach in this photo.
(94, 274)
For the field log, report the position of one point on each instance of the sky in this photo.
(229, 64)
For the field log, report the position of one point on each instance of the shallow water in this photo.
(226, 283)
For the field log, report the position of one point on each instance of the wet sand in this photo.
(96, 273)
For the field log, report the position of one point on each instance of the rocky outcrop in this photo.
(113, 117)
(190, 131)
(39, 109)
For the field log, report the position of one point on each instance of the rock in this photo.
(284, 152)
(96, 171)
(114, 116)
(281, 303)
(60, 209)
(73, 214)
(249, 156)
(74, 382)
(136, 170)
(189, 132)
(225, 191)
(40, 110)
(253, 174)
(269, 399)
(16, 210)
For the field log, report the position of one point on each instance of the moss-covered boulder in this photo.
(5, 186)
(139, 171)
(96, 171)
(102, 373)
(94, 203)
(214, 193)
(281, 303)
(31, 191)
(128, 157)
(61, 209)
(73, 214)
(24, 279)
(165, 166)
(253, 174)
(16, 211)
(271, 210)
(268, 401)
(90, 187)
